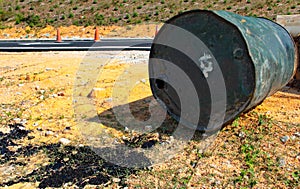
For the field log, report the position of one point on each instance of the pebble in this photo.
(171, 139)
(66, 159)
(60, 94)
(64, 141)
(126, 129)
(49, 133)
(17, 120)
(281, 162)
(24, 121)
(68, 128)
(20, 85)
(108, 100)
(148, 128)
(284, 139)
(42, 91)
(242, 135)
(22, 128)
(39, 129)
(35, 124)
(49, 69)
(297, 134)
(116, 180)
(42, 97)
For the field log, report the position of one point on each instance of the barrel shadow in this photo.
(140, 110)
(67, 165)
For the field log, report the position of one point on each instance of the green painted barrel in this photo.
(252, 57)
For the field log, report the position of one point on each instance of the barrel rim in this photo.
(296, 57)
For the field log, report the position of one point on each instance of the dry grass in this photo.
(246, 153)
(40, 13)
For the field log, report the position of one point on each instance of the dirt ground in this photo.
(42, 145)
(49, 32)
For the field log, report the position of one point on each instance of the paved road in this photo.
(75, 45)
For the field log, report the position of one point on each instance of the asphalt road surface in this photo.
(75, 45)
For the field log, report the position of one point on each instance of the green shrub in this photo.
(19, 18)
(135, 14)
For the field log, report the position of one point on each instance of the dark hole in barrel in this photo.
(160, 84)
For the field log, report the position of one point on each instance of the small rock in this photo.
(20, 85)
(37, 87)
(22, 128)
(217, 182)
(64, 141)
(149, 144)
(242, 135)
(17, 120)
(143, 80)
(171, 139)
(42, 97)
(39, 129)
(68, 128)
(284, 139)
(49, 133)
(60, 94)
(148, 128)
(281, 162)
(42, 91)
(116, 180)
(35, 124)
(108, 100)
(24, 121)
(297, 134)
(293, 137)
(66, 159)
(18, 93)
(49, 69)
(30, 137)
(126, 129)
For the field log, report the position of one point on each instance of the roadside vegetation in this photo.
(39, 13)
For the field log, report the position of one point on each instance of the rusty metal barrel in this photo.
(255, 58)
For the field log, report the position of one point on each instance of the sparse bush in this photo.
(127, 16)
(135, 14)
(19, 18)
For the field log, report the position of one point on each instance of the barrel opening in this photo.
(160, 84)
